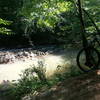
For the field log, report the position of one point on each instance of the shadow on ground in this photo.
(84, 87)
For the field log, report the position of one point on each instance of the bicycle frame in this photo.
(84, 40)
(88, 49)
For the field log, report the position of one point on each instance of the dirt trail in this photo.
(84, 87)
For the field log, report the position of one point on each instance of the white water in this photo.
(11, 71)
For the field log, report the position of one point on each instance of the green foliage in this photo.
(47, 12)
(93, 8)
(31, 80)
(34, 17)
(5, 22)
(4, 30)
(68, 72)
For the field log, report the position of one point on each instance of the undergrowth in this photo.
(34, 80)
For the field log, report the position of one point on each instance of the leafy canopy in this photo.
(47, 12)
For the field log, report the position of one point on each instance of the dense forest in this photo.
(53, 21)
(49, 49)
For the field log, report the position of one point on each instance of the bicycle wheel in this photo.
(94, 59)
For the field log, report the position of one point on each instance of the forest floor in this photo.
(83, 87)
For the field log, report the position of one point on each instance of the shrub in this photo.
(34, 80)
(31, 80)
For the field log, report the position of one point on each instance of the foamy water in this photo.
(11, 71)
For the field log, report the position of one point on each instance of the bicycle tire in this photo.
(94, 67)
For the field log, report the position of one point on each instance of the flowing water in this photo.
(12, 71)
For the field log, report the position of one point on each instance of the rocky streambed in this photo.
(14, 61)
(13, 55)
